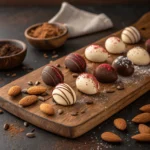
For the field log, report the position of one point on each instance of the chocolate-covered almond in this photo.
(52, 75)
(75, 63)
(105, 73)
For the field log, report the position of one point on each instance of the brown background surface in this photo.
(82, 2)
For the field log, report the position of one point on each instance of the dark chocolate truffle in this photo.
(123, 66)
(52, 75)
(75, 63)
(105, 73)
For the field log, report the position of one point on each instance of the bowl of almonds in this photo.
(46, 36)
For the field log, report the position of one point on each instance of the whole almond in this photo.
(142, 137)
(120, 124)
(36, 90)
(142, 118)
(110, 137)
(14, 90)
(144, 128)
(47, 109)
(145, 108)
(28, 100)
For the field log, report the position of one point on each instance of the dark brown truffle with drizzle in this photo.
(75, 63)
(52, 75)
(63, 94)
(123, 66)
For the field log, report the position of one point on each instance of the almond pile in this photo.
(120, 123)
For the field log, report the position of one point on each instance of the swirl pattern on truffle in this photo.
(63, 94)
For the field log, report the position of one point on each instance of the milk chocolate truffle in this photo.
(115, 45)
(147, 45)
(139, 56)
(123, 66)
(96, 53)
(105, 73)
(75, 63)
(87, 84)
(130, 35)
(64, 95)
(52, 75)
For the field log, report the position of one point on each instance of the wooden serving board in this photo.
(105, 104)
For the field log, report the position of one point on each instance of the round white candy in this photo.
(96, 53)
(63, 94)
(138, 56)
(115, 45)
(130, 35)
(87, 84)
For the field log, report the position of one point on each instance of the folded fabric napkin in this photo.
(80, 22)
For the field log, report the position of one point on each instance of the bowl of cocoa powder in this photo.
(46, 36)
(12, 53)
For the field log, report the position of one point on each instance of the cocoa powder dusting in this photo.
(46, 30)
(14, 130)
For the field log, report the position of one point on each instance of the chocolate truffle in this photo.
(96, 53)
(139, 56)
(115, 45)
(87, 84)
(105, 73)
(123, 66)
(130, 35)
(147, 45)
(75, 63)
(52, 75)
(64, 95)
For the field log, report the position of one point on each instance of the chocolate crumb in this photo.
(89, 101)
(75, 75)
(44, 94)
(60, 111)
(37, 82)
(57, 65)
(82, 111)
(30, 135)
(24, 91)
(1, 111)
(6, 126)
(30, 83)
(45, 55)
(41, 98)
(120, 86)
(74, 113)
(110, 91)
(8, 74)
(55, 56)
(14, 75)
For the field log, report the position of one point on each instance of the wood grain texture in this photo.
(58, 2)
(105, 105)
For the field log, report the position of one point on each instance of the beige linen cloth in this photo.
(80, 22)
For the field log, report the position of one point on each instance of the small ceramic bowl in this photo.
(47, 43)
(9, 62)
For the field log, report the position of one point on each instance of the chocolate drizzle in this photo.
(75, 62)
(64, 89)
(52, 75)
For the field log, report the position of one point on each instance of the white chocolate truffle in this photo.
(96, 53)
(130, 35)
(87, 84)
(138, 56)
(63, 94)
(115, 45)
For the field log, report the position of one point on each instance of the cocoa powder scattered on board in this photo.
(14, 130)
(46, 30)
